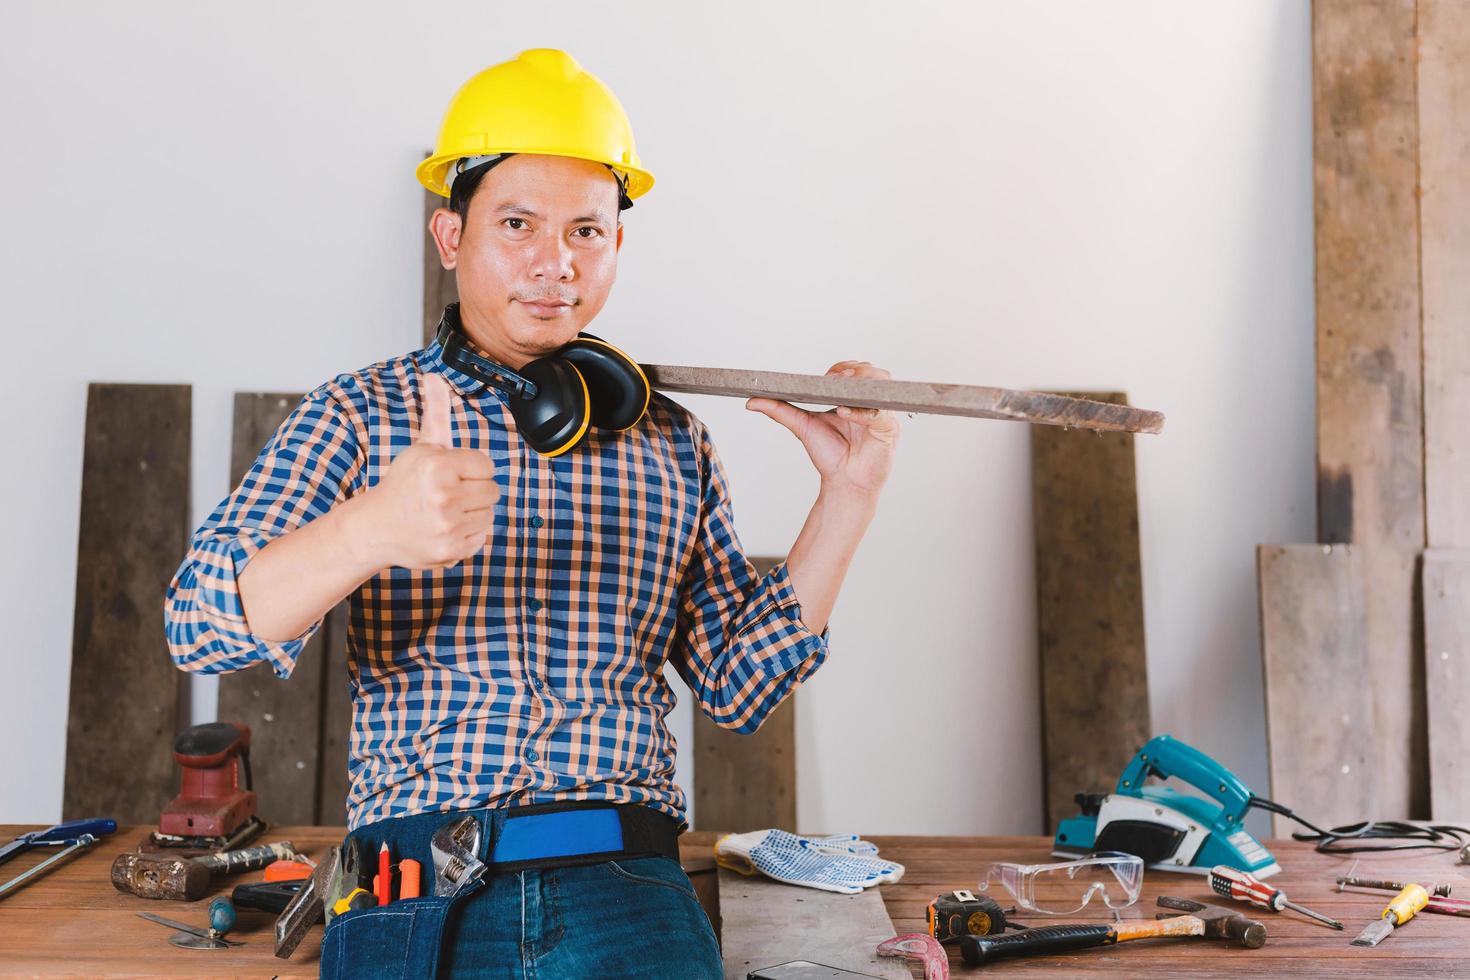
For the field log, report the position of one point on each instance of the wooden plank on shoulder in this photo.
(1319, 722)
(969, 401)
(1370, 451)
(747, 782)
(1089, 589)
(134, 530)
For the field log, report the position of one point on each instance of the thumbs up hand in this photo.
(434, 506)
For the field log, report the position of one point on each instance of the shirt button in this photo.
(531, 755)
(537, 521)
(535, 605)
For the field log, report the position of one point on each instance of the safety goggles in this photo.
(1067, 887)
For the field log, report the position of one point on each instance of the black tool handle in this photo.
(979, 950)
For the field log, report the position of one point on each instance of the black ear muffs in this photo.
(618, 386)
(554, 399)
(555, 419)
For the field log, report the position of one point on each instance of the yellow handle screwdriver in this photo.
(1403, 907)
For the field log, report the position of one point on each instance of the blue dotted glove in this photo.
(843, 863)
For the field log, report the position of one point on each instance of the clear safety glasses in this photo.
(1067, 887)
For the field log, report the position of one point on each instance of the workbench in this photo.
(72, 922)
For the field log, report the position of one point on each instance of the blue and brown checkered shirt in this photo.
(533, 672)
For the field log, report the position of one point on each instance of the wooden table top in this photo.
(72, 922)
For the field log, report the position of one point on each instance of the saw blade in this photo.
(1375, 933)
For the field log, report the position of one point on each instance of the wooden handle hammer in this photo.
(187, 879)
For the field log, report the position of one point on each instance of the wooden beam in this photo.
(283, 715)
(746, 782)
(299, 726)
(971, 401)
(134, 531)
(1447, 677)
(1444, 213)
(1089, 605)
(1319, 721)
(1369, 419)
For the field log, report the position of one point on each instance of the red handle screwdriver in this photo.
(1244, 887)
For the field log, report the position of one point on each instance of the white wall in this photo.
(1067, 195)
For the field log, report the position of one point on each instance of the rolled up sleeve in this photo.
(743, 647)
(308, 466)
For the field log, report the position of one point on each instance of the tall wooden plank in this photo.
(284, 716)
(1089, 588)
(134, 530)
(440, 288)
(1447, 673)
(1369, 417)
(1444, 214)
(1319, 734)
(746, 782)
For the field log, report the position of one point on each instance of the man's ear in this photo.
(620, 236)
(445, 227)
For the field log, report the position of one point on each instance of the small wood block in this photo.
(971, 401)
(1319, 719)
(134, 531)
(1447, 680)
(747, 782)
(767, 922)
(1089, 586)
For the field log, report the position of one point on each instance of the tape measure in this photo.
(960, 913)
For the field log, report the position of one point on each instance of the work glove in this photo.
(842, 863)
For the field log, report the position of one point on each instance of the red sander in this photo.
(212, 812)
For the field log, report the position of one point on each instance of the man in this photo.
(512, 611)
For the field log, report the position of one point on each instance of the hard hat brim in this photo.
(432, 171)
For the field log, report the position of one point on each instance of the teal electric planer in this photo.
(1170, 830)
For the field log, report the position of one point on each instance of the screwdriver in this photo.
(1244, 887)
(1412, 899)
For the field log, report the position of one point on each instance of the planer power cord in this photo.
(1430, 836)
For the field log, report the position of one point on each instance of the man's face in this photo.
(537, 256)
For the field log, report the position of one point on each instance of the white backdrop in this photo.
(1064, 195)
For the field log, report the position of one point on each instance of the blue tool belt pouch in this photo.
(401, 940)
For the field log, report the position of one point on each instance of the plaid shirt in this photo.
(534, 671)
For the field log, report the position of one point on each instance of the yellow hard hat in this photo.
(540, 102)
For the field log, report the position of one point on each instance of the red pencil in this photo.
(385, 875)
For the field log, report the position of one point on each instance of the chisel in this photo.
(1407, 902)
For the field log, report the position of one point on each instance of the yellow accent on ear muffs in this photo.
(555, 399)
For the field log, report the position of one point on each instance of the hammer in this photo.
(188, 879)
(1210, 921)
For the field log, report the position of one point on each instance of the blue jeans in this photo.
(634, 917)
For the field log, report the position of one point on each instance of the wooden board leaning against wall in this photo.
(1369, 421)
(299, 726)
(126, 697)
(1444, 214)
